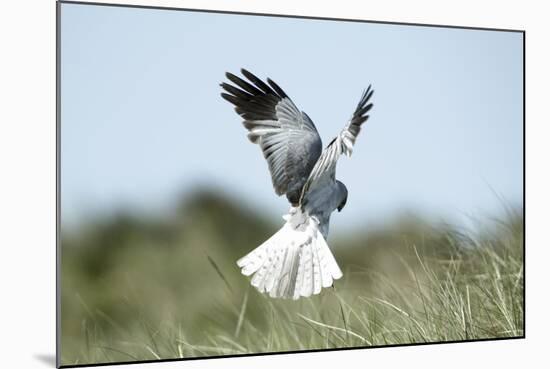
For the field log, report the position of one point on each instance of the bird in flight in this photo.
(296, 261)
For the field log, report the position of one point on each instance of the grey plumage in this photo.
(288, 138)
(296, 261)
(324, 170)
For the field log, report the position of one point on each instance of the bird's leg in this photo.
(291, 212)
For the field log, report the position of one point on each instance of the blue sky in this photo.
(142, 119)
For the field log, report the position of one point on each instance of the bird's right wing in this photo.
(325, 168)
(288, 138)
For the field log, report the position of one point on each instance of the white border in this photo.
(439, 12)
(27, 187)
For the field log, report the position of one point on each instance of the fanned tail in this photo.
(296, 261)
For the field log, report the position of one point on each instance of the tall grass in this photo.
(464, 288)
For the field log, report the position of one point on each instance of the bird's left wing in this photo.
(325, 167)
(287, 136)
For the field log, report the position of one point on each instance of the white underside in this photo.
(296, 261)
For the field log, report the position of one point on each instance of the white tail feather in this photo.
(296, 261)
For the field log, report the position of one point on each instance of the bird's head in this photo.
(343, 195)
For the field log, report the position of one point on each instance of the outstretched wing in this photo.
(288, 138)
(325, 168)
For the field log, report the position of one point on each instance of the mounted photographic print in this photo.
(234, 184)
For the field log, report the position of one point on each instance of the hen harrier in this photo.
(296, 261)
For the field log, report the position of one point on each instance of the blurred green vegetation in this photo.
(138, 287)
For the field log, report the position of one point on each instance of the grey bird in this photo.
(296, 261)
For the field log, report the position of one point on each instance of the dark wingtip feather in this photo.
(257, 82)
(277, 89)
(369, 95)
(363, 107)
(358, 121)
(235, 91)
(226, 86)
(364, 110)
(230, 75)
(232, 99)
